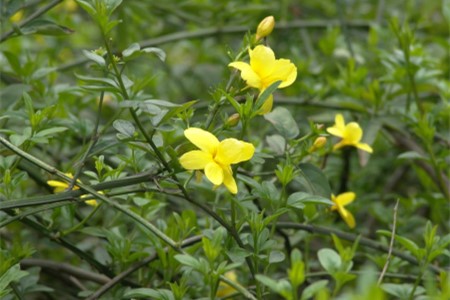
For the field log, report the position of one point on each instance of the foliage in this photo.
(345, 98)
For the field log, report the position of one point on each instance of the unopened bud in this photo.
(265, 27)
(318, 143)
(233, 120)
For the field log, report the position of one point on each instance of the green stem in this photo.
(79, 225)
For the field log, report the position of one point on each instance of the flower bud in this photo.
(318, 143)
(265, 27)
(233, 120)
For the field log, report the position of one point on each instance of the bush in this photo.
(224, 149)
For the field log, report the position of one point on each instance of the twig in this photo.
(391, 244)
(33, 16)
(65, 268)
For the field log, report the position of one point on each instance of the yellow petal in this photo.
(339, 121)
(267, 106)
(262, 60)
(247, 73)
(57, 184)
(195, 160)
(345, 198)
(353, 133)
(232, 151)
(347, 217)
(228, 180)
(282, 70)
(203, 139)
(335, 131)
(92, 202)
(364, 147)
(214, 173)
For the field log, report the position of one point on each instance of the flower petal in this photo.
(262, 61)
(232, 151)
(247, 73)
(347, 217)
(92, 202)
(282, 69)
(335, 131)
(195, 160)
(203, 139)
(364, 147)
(228, 180)
(352, 133)
(57, 184)
(214, 173)
(345, 198)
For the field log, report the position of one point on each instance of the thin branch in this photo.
(391, 244)
(64, 268)
(217, 31)
(33, 16)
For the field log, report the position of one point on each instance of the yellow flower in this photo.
(318, 143)
(60, 186)
(351, 134)
(215, 157)
(224, 289)
(342, 200)
(264, 70)
(265, 27)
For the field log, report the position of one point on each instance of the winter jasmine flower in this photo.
(342, 200)
(351, 134)
(60, 186)
(265, 70)
(215, 157)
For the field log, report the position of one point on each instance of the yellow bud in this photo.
(265, 27)
(233, 120)
(17, 16)
(318, 143)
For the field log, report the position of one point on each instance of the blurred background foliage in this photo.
(384, 64)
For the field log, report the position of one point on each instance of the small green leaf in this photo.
(124, 127)
(45, 27)
(157, 51)
(276, 256)
(265, 95)
(281, 118)
(132, 49)
(161, 294)
(313, 180)
(94, 57)
(312, 289)
(330, 260)
(12, 274)
(299, 199)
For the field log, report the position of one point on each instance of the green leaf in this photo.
(283, 122)
(412, 155)
(188, 260)
(98, 59)
(277, 143)
(50, 131)
(299, 199)
(128, 53)
(45, 27)
(313, 180)
(157, 51)
(161, 294)
(330, 260)
(12, 274)
(282, 287)
(312, 289)
(402, 291)
(265, 95)
(124, 127)
(407, 243)
(276, 256)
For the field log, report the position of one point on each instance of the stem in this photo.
(391, 244)
(79, 225)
